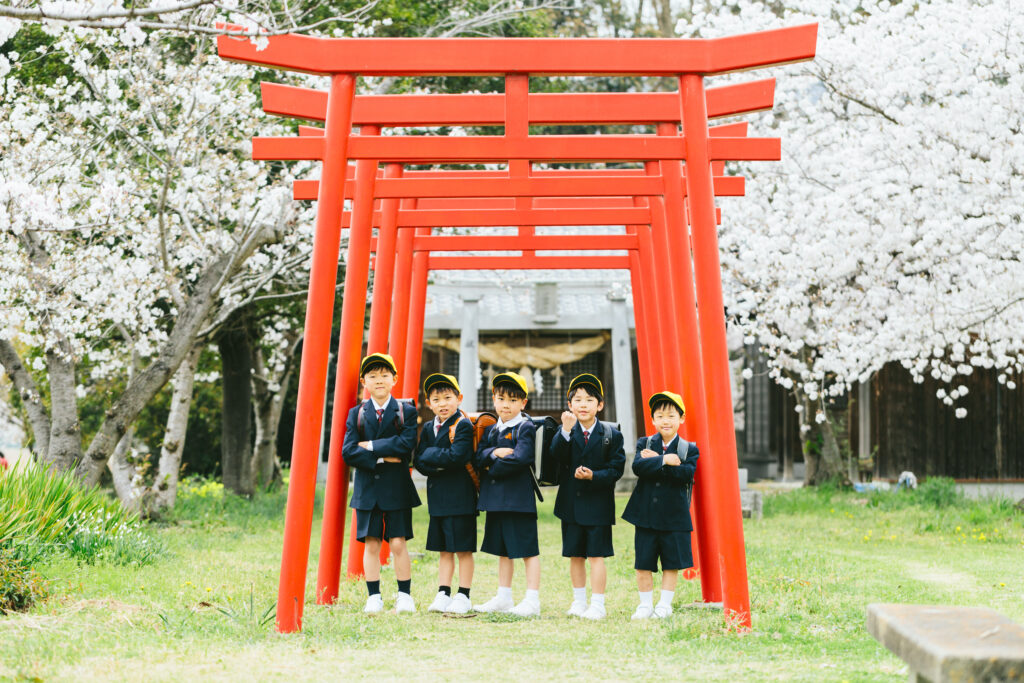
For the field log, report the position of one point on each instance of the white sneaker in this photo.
(643, 612)
(374, 604)
(459, 605)
(663, 610)
(496, 604)
(577, 608)
(594, 612)
(527, 608)
(441, 602)
(404, 604)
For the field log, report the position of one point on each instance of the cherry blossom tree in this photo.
(891, 230)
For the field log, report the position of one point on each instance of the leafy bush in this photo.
(20, 587)
(43, 513)
(938, 492)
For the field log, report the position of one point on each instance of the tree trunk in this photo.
(65, 436)
(38, 418)
(268, 405)
(822, 459)
(144, 386)
(236, 411)
(166, 484)
(125, 474)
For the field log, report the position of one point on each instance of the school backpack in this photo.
(399, 418)
(480, 421)
(546, 467)
(682, 448)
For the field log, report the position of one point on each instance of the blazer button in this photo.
(654, 500)
(657, 483)
(579, 493)
(376, 476)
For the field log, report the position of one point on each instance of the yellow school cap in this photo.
(377, 358)
(667, 396)
(437, 378)
(513, 377)
(586, 379)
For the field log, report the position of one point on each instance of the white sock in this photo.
(647, 598)
(505, 593)
(597, 599)
(533, 596)
(666, 597)
(579, 594)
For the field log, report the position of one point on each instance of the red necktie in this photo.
(380, 415)
(586, 435)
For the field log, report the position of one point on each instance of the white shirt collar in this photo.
(590, 429)
(437, 424)
(380, 406)
(664, 446)
(511, 423)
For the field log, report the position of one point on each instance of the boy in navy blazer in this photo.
(379, 441)
(590, 460)
(445, 449)
(659, 507)
(504, 458)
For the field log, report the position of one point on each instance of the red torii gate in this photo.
(478, 212)
(432, 110)
(342, 59)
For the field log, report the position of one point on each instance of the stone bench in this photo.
(946, 644)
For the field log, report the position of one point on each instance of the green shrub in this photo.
(20, 587)
(42, 513)
(938, 492)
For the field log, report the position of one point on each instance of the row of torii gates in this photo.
(667, 208)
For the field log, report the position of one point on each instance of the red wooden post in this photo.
(350, 346)
(696, 426)
(400, 307)
(313, 367)
(652, 321)
(662, 280)
(714, 351)
(384, 270)
(640, 324)
(417, 313)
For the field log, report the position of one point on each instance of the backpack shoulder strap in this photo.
(606, 447)
(360, 427)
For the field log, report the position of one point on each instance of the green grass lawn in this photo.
(815, 561)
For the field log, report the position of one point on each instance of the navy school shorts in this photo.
(579, 540)
(511, 534)
(386, 524)
(452, 534)
(672, 547)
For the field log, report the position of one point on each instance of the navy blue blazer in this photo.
(385, 485)
(450, 489)
(506, 484)
(587, 502)
(659, 499)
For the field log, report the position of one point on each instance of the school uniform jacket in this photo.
(450, 489)
(506, 484)
(384, 485)
(659, 499)
(581, 501)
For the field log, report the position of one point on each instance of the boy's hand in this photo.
(364, 444)
(568, 420)
(648, 453)
(584, 473)
(389, 459)
(502, 452)
(672, 459)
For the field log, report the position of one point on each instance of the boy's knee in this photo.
(397, 545)
(371, 542)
